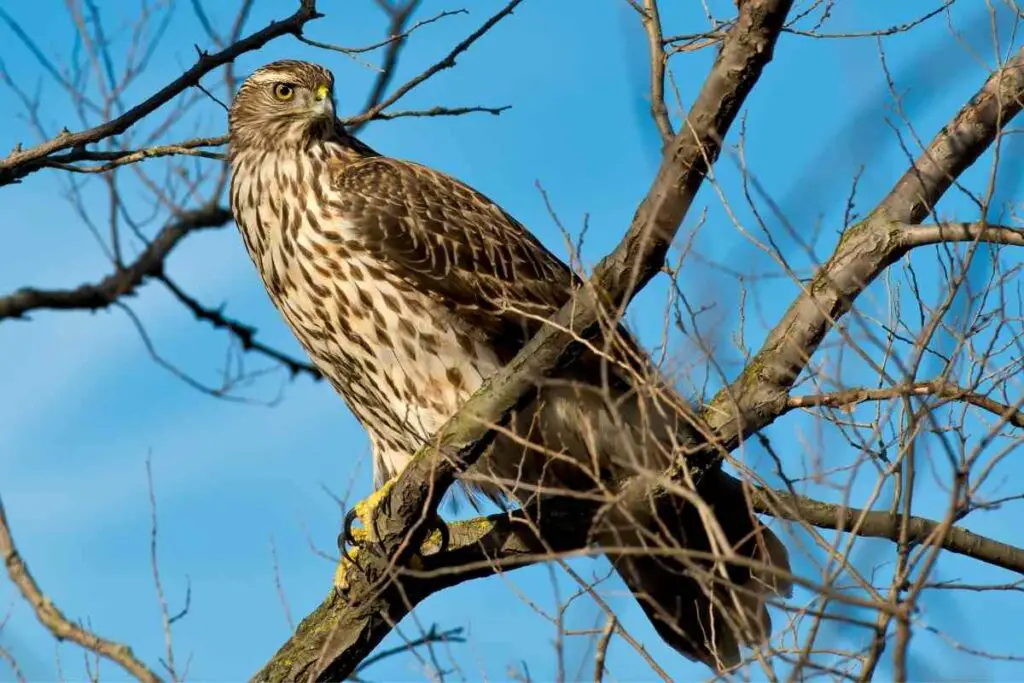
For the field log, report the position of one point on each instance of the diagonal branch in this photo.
(760, 394)
(335, 636)
(332, 640)
(122, 282)
(245, 334)
(504, 542)
(22, 163)
(375, 108)
(54, 620)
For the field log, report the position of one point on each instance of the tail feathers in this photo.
(704, 609)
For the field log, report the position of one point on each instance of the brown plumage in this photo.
(408, 289)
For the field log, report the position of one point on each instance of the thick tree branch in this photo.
(504, 542)
(475, 548)
(958, 145)
(760, 394)
(21, 163)
(375, 600)
(54, 620)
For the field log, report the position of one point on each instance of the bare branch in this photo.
(440, 111)
(126, 157)
(943, 389)
(279, 587)
(866, 250)
(245, 334)
(448, 62)
(54, 620)
(400, 16)
(452, 635)
(958, 145)
(6, 656)
(20, 164)
(392, 37)
(375, 602)
(882, 524)
(923, 235)
(507, 541)
(165, 614)
(602, 648)
(652, 25)
(124, 282)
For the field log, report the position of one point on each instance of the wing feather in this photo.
(451, 241)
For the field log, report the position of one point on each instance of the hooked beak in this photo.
(323, 105)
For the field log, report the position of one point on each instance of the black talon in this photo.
(346, 531)
(345, 537)
(443, 532)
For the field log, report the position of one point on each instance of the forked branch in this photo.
(54, 620)
(761, 392)
(21, 163)
(333, 639)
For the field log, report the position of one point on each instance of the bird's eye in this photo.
(284, 92)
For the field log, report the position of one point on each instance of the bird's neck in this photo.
(327, 137)
(275, 191)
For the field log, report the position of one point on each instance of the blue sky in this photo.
(84, 405)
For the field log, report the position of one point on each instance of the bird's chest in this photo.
(401, 360)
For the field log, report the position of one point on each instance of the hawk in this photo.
(408, 289)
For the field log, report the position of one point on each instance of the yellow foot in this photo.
(341, 573)
(364, 511)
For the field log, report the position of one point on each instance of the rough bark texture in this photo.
(332, 641)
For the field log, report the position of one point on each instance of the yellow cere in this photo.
(322, 91)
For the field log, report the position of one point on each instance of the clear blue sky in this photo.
(83, 405)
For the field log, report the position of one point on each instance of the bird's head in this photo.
(284, 102)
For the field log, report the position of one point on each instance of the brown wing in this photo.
(449, 240)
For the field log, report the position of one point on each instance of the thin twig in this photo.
(21, 163)
(446, 63)
(123, 282)
(54, 620)
(245, 334)
(602, 648)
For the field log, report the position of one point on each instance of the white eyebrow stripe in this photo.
(265, 76)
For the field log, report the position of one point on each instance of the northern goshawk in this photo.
(408, 289)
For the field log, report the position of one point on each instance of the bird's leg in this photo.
(366, 511)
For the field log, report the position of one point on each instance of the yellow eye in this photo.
(284, 92)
